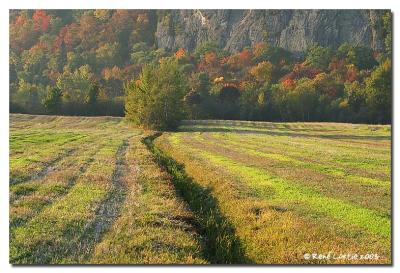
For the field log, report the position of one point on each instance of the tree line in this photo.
(104, 62)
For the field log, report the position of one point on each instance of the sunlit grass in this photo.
(245, 166)
(78, 207)
(87, 190)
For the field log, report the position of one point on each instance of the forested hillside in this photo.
(85, 62)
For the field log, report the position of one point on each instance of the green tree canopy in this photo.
(379, 91)
(155, 100)
(318, 57)
(53, 101)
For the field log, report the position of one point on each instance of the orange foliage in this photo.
(106, 73)
(53, 75)
(37, 47)
(113, 73)
(240, 60)
(352, 74)
(41, 20)
(245, 56)
(387, 65)
(288, 83)
(297, 67)
(180, 53)
(71, 37)
(20, 20)
(259, 49)
(210, 63)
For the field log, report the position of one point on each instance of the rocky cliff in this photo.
(294, 30)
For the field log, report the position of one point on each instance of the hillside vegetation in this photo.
(82, 62)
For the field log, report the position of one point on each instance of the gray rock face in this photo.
(294, 30)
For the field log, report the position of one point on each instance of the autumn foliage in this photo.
(76, 51)
(41, 20)
(180, 53)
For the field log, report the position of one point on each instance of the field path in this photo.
(109, 209)
(99, 191)
(104, 202)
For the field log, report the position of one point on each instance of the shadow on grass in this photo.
(222, 246)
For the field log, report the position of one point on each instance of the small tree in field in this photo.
(155, 100)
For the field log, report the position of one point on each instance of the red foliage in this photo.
(60, 38)
(245, 56)
(224, 60)
(71, 38)
(41, 20)
(301, 71)
(288, 83)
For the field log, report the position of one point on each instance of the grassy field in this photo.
(86, 190)
(294, 188)
(96, 190)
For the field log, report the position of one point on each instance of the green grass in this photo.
(223, 246)
(312, 177)
(29, 198)
(327, 158)
(155, 226)
(31, 153)
(55, 232)
(283, 190)
(328, 183)
(77, 202)
(99, 191)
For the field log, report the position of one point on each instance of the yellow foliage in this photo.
(218, 79)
